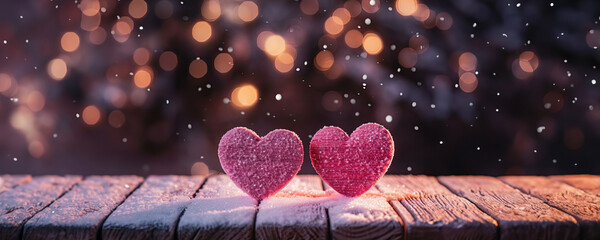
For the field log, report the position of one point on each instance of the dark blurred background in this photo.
(149, 87)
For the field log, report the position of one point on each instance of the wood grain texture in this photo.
(8, 182)
(80, 212)
(588, 183)
(21, 203)
(220, 210)
(369, 216)
(153, 210)
(435, 212)
(296, 212)
(519, 216)
(585, 207)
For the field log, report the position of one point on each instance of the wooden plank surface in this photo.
(21, 203)
(585, 207)
(296, 212)
(519, 216)
(8, 182)
(588, 183)
(435, 212)
(153, 210)
(369, 216)
(220, 210)
(80, 212)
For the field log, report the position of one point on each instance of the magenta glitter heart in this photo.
(260, 166)
(352, 165)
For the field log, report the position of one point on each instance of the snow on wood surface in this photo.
(8, 182)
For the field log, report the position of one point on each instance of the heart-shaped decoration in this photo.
(260, 166)
(352, 165)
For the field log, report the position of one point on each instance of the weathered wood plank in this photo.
(80, 212)
(21, 203)
(294, 213)
(8, 182)
(585, 207)
(435, 212)
(519, 216)
(588, 183)
(152, 211)
(220, 210)
(369, 216)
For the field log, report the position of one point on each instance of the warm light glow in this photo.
(141, 56)
(309, 7)
(370, 6)
(223, 62)
(353, 38)
(200, 168)
(90, 23)
(284, 62)
(91, 115)
(69, 41)
(468, 82)
(36, 149)
(97, 36)
(211, 10)
(244, 96)
(138, 8)
(444, 21)
(467, 61)
(343, 14)
(167, 61)
(528, 61)
(116, 119)
(248, 11)
(354, 7)
(407, 57)
(324, 60)
(35, 101)
(419, 43)
(274, 45)
(334, 25)
(372, 44)
(57, 69)
(90, 7)
(262, 38)
(124, 26)
(201, 31)
(143, 77)
(6, 82)
(406, 7)
(198, 68)
(422, 12)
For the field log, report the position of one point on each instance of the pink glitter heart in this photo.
(352, 165)
(260, 167)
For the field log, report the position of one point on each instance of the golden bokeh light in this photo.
(334, 25)
(444, 21)
(198, 68)
(343, 14)
(223, 62)
(141, 56)
(419, 43)
(284, 62)
(370, 6)
(353, 7)
(138, 8)
(528, 61)
(422, 12)
(35, 101)
(91, 115)
(36, 149)
(116, 119)
(467, 61)
(468, 82)
(90, 23)
(201, 31)
(167, 61)
(200, 168)
(248, 11)
(274, 45)
(372, 43)
(244, 96)
(143, 77)
(69, 41)
(97, 36)
(124, 26)
(211, 10)
(324, 60)
(309, 7)
(406, 7)
(90, 7)
(6, 82)
(57, 69)
(407, 57)
(353, 38)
